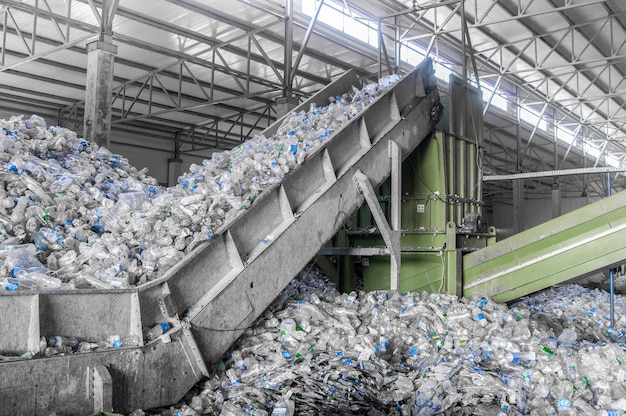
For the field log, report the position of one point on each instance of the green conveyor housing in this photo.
(573, 245)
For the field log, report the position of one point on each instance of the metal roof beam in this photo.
(204, 10)
(153, 47)
(213, 43)
(525, 86)
(305, 41)
(523, 15)
(80, 87)
(126, 83)
(29, 58)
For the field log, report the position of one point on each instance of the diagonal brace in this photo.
(391, 237)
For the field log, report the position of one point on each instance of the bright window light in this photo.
(413, 55)
(612, 161)
(309, 7)
(330, 14)
(565, 136)
(533, 118)
(591, 150)
(410, 55)
(497, 101)
(442, 72)
(338, 17)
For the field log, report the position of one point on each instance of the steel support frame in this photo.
(528, 43)
(481, 20)
(390, 235)
(186, 60)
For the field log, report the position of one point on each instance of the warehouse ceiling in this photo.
(203, 75)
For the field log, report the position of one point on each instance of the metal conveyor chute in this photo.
(219, 288)
(223, 286)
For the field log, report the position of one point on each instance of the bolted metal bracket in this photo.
(391, 237)
(100, 388)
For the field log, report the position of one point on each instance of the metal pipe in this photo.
(4, 37)
(380, 51)
(611, 297)
(398, 43)
(611, 274)
(463, 44)
(550, 173)
(305, 41)
(34, 34)
(287, 88)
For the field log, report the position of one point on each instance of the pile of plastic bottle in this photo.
(316, 351)
(74, 215)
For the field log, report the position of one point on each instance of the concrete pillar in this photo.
(285, 105)
(99, 90)
(518, 205)
(174, 170)
(556, 199)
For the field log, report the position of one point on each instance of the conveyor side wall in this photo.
(220, 287)
(223, 286)
(154, 375)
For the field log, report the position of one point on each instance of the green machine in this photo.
(437, 242)
(440, 209)
(438, 223)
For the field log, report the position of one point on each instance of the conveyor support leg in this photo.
(391, 237)
(102, 388)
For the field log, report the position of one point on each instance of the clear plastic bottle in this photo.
(157, 331)
(61, 349)
(283, 407)
(520, 358)
(87, 346)
(8, 284)
(480, 317)
(568, 336)
(118, 341)
(127, 202)
(35, 121)
(57, 340)
(43, 281)
(18, 214)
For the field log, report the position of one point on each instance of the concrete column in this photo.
(285, 105)
(99, 90)
(518, 205)
(174, 170)
(556, 199)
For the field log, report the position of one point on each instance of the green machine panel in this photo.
(576, 244)
(430, 202)
(440, 204)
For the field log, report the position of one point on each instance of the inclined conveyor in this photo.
(220, 287)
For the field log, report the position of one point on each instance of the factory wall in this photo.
(141, 151)
(536, 211)
(156, 160)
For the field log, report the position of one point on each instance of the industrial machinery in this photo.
(438, 204)
(422, 230)
(238, 266)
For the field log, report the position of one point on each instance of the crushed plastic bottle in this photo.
(60, 344)
(96, 221)
(157, 330)
(386, 352)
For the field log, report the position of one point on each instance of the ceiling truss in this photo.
(217, 87)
